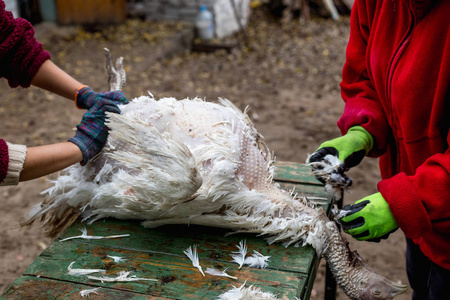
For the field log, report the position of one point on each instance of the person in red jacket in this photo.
(24, 62)
(396, 88)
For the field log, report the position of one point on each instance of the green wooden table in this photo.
(158, 253)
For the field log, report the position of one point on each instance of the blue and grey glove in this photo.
(92, 132)
(85, 97)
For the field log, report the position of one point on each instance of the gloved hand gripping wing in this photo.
(335, 157)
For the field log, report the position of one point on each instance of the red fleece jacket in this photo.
(396, 84)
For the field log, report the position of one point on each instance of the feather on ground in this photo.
(247, 293)
(191, 252)
(239, 256)
(80, 272)
(123, 276)
(215, 272)
(87, 293)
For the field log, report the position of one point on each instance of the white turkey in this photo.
(188, 161)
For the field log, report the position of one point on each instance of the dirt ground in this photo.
(288, 74)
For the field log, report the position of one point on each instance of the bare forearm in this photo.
(51, 78)
(44, 160)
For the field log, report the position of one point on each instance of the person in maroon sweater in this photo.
(24, 62)
(396, 88)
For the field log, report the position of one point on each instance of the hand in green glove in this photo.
(350, 149)
(369, 219)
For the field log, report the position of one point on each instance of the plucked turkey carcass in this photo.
(188, 161)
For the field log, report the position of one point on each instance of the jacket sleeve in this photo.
(421, 202)
(12, 158)
(21, 55)
(362, 106)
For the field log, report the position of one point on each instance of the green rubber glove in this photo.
(369, 219)
(350, 149)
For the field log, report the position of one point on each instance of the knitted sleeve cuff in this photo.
(17, 154)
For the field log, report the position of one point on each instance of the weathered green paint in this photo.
(34, 288)
(296, 173)
(291, 175)
(173, 270)
(213, 243)
(158, 254)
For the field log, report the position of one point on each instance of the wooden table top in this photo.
(158, 254)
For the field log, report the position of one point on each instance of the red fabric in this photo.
(4, 160)
(21, 55)
(396, 84)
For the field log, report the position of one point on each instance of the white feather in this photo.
(117, 259)
(215, 272)
(257, 260)
(191, 252)
(86, 293)
(79, 272)
(122, 277)
(247, 293)
(329, 164)
(239, 256)
(328, 169)
(85, 236)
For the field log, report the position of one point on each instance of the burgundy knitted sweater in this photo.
(3, 160)
(21, 56)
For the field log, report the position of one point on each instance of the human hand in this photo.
(85, 97)
(369, 219)
(336, 156)
(92, 132)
